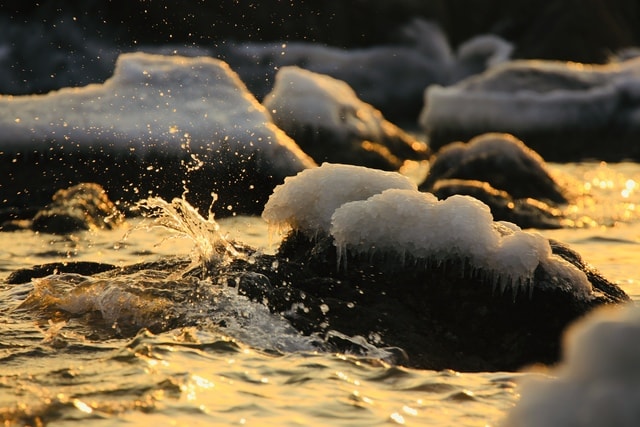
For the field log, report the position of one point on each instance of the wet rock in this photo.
(87, 268)
(330, 123)
(526, 212)
(501, 160)
(84, 206)
(442, 319)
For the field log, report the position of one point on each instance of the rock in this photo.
(526, 212)
(158, 126)
(84, 206)
(501, 160)
(331, 124)
(87, 268)
(564, 111)
(439, 279)
(441, 319)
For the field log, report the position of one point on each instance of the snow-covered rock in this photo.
(160, 124)
(563, 110)
(328, 120)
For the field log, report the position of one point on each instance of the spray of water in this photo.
(211, 249)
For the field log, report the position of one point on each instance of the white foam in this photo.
(153, 103)
(305, 202)
(598, 382)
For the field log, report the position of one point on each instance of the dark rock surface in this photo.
(502, 172)
(525, 212)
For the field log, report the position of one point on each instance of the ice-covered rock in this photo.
(159, 124)
(330, 123)
(439, 278)
(408, 225)
(375, 214)
(563, 110)
(596, 384)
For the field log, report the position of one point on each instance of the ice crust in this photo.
(370, 212)
(305, 202)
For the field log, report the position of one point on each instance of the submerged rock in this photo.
(159, 125)
(332, 124)
(565, 111)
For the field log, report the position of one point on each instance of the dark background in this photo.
(577, 30)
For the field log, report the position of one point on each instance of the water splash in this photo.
(211, 248)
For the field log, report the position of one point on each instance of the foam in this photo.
(305, 202)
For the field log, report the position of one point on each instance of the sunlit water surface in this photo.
(54, 372)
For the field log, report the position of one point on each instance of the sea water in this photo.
(258, 372)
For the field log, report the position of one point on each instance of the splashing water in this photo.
(211, 247)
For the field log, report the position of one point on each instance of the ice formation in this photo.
(598, 382)
(152, 103)
(305, 202)
(411, 224)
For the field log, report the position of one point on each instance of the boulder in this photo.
(85, 206)
(162, 125)
(330, 123)
(565, 111)
(526, 212)
(501, 160)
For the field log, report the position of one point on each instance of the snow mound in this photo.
(597, 384)
(305, 202)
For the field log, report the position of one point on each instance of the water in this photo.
(235, 363)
